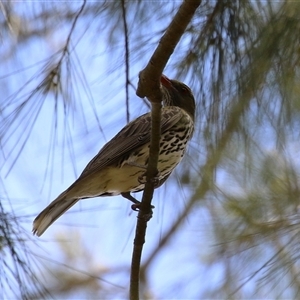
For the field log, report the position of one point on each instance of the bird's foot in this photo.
(137, 205)
(147, 216)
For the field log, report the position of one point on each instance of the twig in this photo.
(65, 50)
(148, 85)
(126, 41)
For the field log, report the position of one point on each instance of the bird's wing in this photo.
(134, 135)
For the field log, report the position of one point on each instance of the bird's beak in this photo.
(165, 81)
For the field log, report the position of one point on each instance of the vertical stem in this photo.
(145, 208)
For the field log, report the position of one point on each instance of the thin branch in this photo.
(126, 41)
(149, 86)
(68, 41)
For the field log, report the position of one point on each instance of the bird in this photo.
(118, 167)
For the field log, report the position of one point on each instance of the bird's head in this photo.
(178, 94)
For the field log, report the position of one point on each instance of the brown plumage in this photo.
(119, 165)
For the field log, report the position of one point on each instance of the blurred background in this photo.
(226, 224)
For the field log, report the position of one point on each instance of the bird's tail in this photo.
(52, 212)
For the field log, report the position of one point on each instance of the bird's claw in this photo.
(136, 206)
(146, 216)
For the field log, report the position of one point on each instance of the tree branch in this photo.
(149, 86)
